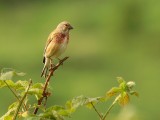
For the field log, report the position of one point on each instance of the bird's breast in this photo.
(62, 47)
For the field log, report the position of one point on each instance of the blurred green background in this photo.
(111, 38)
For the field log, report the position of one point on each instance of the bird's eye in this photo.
(66, 25)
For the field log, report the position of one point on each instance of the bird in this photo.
(56, 45)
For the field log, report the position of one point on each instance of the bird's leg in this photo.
(51, 64)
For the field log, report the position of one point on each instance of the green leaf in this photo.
(35, 91)
(56, 107)
(56, 112)
(41, 107)
(19, 73)
(53, 113)
(73, 104)
(123, 86)
(33, 117)
(13, 106)
(20, 85)
(9, 82)
(57, 115)
(89, 102)
(2, 84)
(9, 117)
(120, 80)
(37, 85)
(113, 91)
(64, 112)
(25, 114)
(7, 75)
(68, 105)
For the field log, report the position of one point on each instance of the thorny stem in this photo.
(21, 101)
(101, 117)
(44, 94)
(109, 109)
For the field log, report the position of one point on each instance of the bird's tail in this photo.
(45, 68)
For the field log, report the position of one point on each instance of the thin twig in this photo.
(101, 117)
(14, 93)
(20, 103)
(47, 82)
(109, 109)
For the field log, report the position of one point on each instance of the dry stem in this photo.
(44, 94)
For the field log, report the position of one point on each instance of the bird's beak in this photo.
(70, 27)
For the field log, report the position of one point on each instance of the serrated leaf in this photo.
(20, 85)
(19, 73)
(60, 111)
(52, 113)
(103, 98)
(7, 75)
(73, 104)
(56, 107)
(57, 115)
(113, 91)
(89, 102)
(123, 99)
(47, 115)
(64, 112)
(77, 101)
(37, 85)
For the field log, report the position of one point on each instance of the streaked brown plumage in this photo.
(56, 44)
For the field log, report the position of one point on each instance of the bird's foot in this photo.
(51, 67)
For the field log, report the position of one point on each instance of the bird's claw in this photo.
(52, 66)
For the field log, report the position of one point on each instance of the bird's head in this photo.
(64, 27)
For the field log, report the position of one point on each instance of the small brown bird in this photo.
(56, 45)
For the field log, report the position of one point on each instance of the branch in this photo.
(20, 103)
(109, 109)
(44, 94)
(25, 107)
(101, 117)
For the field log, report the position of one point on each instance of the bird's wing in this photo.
(50, 38)
(52, 44)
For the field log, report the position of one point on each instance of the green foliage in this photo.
(123, 91)
(23, 89)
